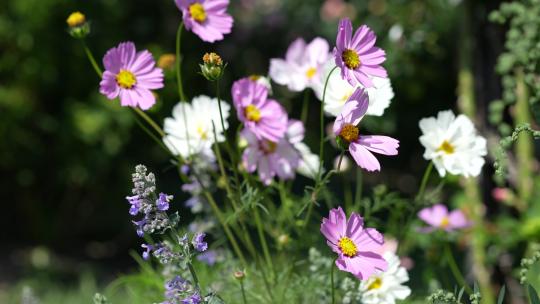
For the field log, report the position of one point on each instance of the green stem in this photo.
(219, 106)
(194, 276)
(332, 281)
(222, 170)
(358, 191)
(150, 121)
(321, 144)
(179, 63)
(226, 228)
(91, 58)
(305, 106)
(423, 185)
(243, 291)
(455, 269)
(262, 237)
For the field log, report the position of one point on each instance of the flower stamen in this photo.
(197, 12)
(347, 246)
(351, 59)
(376, 284)
(446, 147)
(125, 79)
(349, 133)
(252, 113)
(444, 222)
(311, 72)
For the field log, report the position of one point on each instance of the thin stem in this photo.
(332, 282)
(219, 106)
(321, 144)
(226, 228)
(194, 276)
(243, 291)
(425, 179)
(179, 63)
(305, 107)
(260, 231)
(222, 169)
(455, 269)
(91, 58)
(150, 121)
(358, 191)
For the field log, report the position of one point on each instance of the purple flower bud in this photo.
(135, 204)
(146, 253)
(140, 224)
(163, 202)
(199, 243)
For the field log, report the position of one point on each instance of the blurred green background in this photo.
(66, 153)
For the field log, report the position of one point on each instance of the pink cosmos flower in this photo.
(302, 66)
(357, 56)
(206, 18)
(346, 127)
(273, 158)
(131, 75)
(264, 117)
(355, 245)
(438, 217)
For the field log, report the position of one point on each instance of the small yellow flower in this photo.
(76, 19)
(212, 58)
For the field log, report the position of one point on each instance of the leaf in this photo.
(533, 295)
(476, 289)
(461, 293)
(502, 292)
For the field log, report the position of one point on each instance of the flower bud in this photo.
(166, 61)
(239, 275)
(78, 27)
(212, 67)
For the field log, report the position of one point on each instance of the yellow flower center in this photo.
(268, 147)
(347, 246)
(125, 79)
(252, 113)
(444, 222)
(311, 72)
(349, 132)
(376, 284)
(446, 147)
(254, 77)
(346, 96)
(76, 19)
(351, 59)
(202, 133)
(197, 12)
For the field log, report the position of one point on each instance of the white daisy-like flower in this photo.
(302, 65)
(452, 144)
(386, 287)
(189, 131)
(339, 91)
(309, 162)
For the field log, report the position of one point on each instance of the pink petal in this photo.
(296, 51)
(344, 34)
(380, 144)
(363, 158)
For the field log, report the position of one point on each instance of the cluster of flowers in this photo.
(172, 254)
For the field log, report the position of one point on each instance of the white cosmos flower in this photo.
(302, 65)
(339, 91)
(452, 144)
(386, 287)
(193, 133)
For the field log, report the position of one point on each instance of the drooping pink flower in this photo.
(357, 56)
(131, 75)
(361, 146)
(302, 66)
(270, 158)
(355, 245)
(438, 217)
(264, 117)
(208, 19)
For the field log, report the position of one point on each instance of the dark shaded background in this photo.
(67, 153)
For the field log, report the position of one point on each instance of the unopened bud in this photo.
(239, 275)
(212, 67)
(166, 61)
(78, 27)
